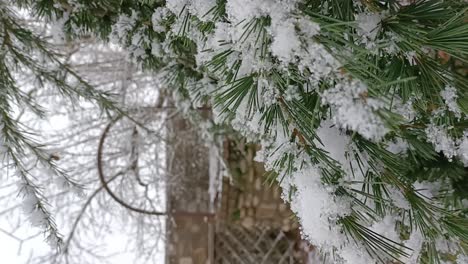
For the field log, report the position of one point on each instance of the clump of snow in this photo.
(123, 26)
(214, 44)
(139, 40)
(30, 202)
(292, 93)
(126, 29)
(450, 147)
(386, 227)
(201, 8)
(415, 242)
(463, 149)
(439, 137)
(285, 41)
(308, 27)
(240, 10)
(368, 27)
(156, 49)
(32, 206)
(57, 27)
(462, 259)
(411, 56)
(355, 255)
(38, 218)
(398, 146)
(446, 246)
(268, 92)
(428, 190)
(176, 6)
(54, 241)
(158, 17)
(405, 109)
(398, 199)
(391, 42)
(333, 141)
(449, 94)
(352, 109)
(316, 223)
(405, 2)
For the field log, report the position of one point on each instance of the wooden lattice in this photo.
(237, 245)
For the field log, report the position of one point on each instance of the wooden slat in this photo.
(237, 245)
(233, 251)
(241, 246)
(277, 239)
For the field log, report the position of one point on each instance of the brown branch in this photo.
(104, 183)
(207, 215)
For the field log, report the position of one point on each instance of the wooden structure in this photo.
(239, 245)
(246, 222)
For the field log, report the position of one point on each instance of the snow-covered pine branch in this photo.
(360, 106)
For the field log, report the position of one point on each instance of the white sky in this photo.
(12, 251)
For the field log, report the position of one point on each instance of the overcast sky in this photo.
(11, 253)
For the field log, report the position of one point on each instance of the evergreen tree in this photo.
(29, 64)
(360, 106)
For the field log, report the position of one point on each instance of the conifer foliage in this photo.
(360, 106)
(28, 66)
